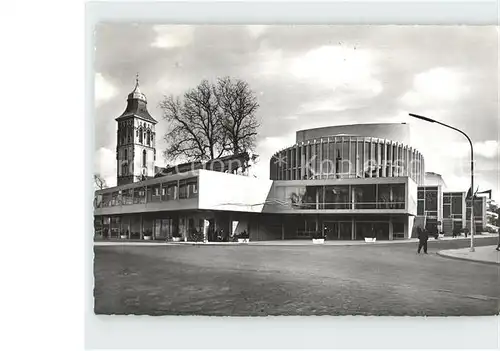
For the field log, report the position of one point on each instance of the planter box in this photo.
(176, 239)
(318, 241)
(370, 240)
(243, 240)
(147, 237)
(123, 237)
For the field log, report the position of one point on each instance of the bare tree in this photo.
(211, 121)
(239, 106)
(196, 131)
(99, 182)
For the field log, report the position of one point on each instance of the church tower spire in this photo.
(136, 139)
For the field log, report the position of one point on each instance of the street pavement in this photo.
(483, 254)
(246, 280)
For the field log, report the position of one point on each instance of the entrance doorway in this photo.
(337, 230)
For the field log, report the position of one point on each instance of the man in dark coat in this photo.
(498, 246)
(422, 239)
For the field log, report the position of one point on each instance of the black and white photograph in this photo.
(295, 170)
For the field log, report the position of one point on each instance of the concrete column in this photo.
(282, 227)
(129, 227)
(353, 229)
(391, 230)
(351, 190)
(141, 225)
(409, 226)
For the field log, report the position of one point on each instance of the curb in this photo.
(444, 255)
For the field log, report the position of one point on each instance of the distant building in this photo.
(347, 182)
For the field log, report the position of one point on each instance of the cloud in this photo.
(436, 85)
(104, 90)
(105, 165)
(172, 36)
(330, 104)
(339, 67)
(486, 149)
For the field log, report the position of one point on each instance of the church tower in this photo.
(135, 142)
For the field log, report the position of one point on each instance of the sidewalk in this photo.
(483, 254)
(304, 242)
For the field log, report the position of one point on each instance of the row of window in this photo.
(125, 135)
(135, 227)
(177, 190)
(453, 205)
(347, 157)
(368, 196)
(427, 201)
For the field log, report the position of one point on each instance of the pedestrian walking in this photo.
(423, 237)
(498, 245)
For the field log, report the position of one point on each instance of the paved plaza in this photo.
(260, 280)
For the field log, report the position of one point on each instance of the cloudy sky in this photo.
(313, 76)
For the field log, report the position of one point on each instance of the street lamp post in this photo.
(472, 226)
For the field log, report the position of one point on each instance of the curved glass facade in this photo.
(338, 157)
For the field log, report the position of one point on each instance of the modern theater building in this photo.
(347, 182)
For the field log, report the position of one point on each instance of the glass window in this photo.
(98, 227)
(317, 162)
(331, 157)
(337, 197)
(140, 195)
(115, 227)
(398, 195)
(144, 158)
(367, 160)
(359, 159)
(456, 205)
(147, 227)
(192, 187)
(398, 230)
(446, 211)
(345, 158)
(446, 199)
(106, 200)
(365, 196)
(384, 197)
(376, 160)
(309, 198)
(172, 191)
(127, 196)
(295, 196)
(420, 194)
(431, 201)
(352, 159)
(155, 196)
(337, 157)
(420, 207)
(116, 199)
(183, 189)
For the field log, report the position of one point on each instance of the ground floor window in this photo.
(98, 228)
(398, 230)
(337, 230)
(135, 227)
(378, 230)
(163, 229)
